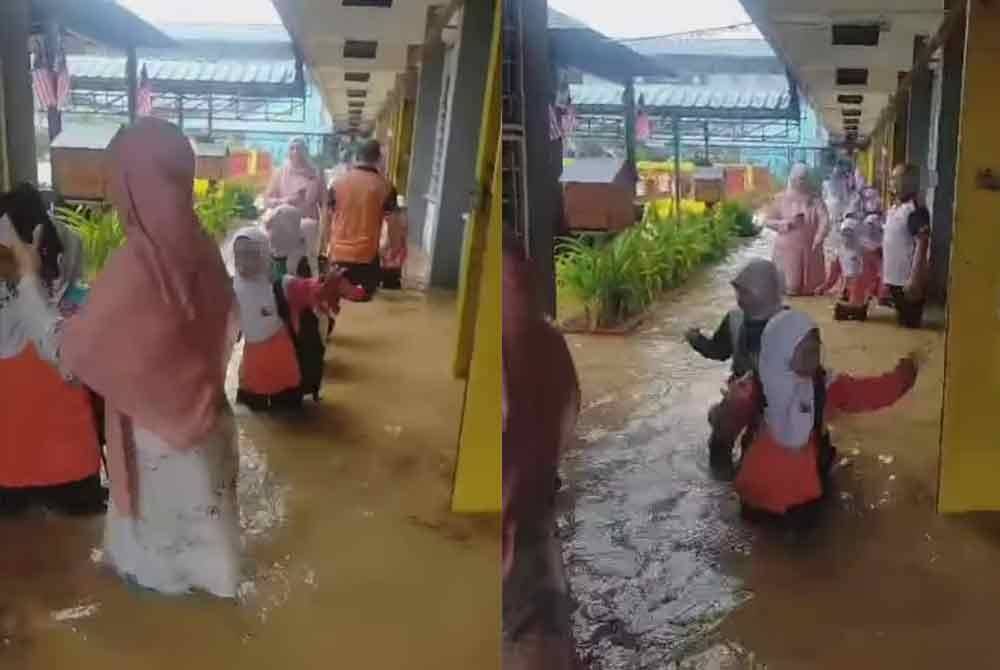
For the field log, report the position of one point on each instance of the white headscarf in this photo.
(259, 319)
(766, 285)
(287, 240)
(789, 413)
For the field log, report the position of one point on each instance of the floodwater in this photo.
(352, 557)
(667, 575)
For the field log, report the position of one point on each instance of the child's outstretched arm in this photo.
(719, 347)
(855, 395)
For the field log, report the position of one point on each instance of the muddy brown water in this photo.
(667, 575)
(353, 559)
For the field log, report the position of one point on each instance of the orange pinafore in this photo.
(48, 434)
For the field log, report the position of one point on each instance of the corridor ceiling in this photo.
(356, 48)
(847, 55)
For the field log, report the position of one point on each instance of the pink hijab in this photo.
(541, 397)
(152, 337)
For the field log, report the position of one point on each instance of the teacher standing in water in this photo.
(799, 217)
(153, 340)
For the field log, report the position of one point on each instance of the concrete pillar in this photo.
(628, 98)
(970, 458)
(900, 135)
(18, 94)
(918, 125)
(459, 176)
(424, 129)
(543, 162)
(947, 154)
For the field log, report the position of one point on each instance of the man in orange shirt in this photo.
(358, 203)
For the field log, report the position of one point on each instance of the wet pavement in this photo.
(352, 557)
(667, 575)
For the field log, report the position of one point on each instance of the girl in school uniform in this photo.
(288, 242)
(783, 471)
(284, 353)
(861, 258)
(50, 455)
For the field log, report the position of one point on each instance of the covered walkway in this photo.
(370, 522)
(354, 559)
(664, 569)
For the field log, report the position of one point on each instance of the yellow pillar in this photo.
(970, 448)
(404, 144)
(478, 472)
(475, 238)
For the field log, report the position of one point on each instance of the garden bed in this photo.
(607, 282)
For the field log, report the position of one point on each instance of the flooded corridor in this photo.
(353, 559)
(667, 575)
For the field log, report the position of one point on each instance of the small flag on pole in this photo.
(144, 95)
(569, 119)
(44, 82)
(555, 132)
(643, 124)
(63, 84)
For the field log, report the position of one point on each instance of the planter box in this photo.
(79, 155)
(579, 326)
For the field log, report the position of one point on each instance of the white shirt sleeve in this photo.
(40, 320)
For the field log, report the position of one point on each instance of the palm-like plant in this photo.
(616, 277)
(99, 230)
(216, 209)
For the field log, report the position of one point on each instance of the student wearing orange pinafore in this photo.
(283, 356)
(49, 450)
(783, 471)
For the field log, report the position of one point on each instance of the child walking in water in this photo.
(288, 242)
(284, 354)
(783, 471)
(860, 257)
(759, 290)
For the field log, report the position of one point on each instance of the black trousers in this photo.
(285, 401)
(80, 498)
(392, 279)
(910, 314)
(366, 275)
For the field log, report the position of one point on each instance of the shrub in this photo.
(618, 276)
(99, 230)
(216, 209)
(738, 218)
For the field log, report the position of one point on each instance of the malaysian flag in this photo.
(568, 119)
(643, 124)
(62, 84)
(44, 82)
(144, 95)
(555, 132)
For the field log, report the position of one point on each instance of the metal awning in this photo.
(103, 21)
(776, 101)
(261, 79)
(576, 45)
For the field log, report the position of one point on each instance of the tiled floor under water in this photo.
(353, 559)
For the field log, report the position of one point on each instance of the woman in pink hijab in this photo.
(541, 400)
(153, 340)
(300, 184)
(799, 217)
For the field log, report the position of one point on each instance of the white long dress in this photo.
(185, 536)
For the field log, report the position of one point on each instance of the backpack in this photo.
(310, 350)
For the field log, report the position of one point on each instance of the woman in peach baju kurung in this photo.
(799, 217)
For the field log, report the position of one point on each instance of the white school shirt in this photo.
(259, 319)
(898, 245)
